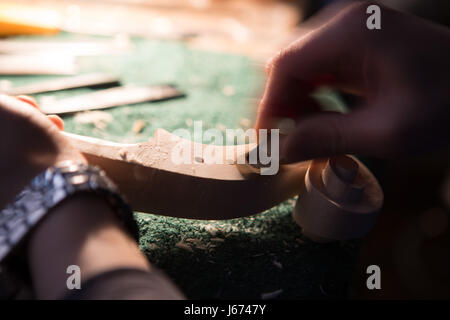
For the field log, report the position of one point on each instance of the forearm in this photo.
(82, 231)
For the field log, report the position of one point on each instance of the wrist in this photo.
(72, 218)
(83, 230)
(48, 190)
(64, 209)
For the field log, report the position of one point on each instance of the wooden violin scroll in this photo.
(341, 200)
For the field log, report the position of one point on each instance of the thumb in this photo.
(328, 133)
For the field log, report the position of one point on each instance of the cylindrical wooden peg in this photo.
(340, 201)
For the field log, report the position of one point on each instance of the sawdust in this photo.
(190, 243)
(195, 241)
(221, 127)
(198, 244)
(211, 229)
(183, 245)
(228, 91)
(99, 119)
(246, 123)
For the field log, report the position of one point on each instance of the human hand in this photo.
(30, 142)
(402, 71)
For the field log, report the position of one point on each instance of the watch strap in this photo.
(49, 189)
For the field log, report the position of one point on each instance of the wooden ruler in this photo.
(108, 98)
(23, 64)
(86, 80)
(120, 45)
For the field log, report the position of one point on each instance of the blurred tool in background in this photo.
(23, 19)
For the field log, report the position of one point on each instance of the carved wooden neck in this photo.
(340, 197)
(201, 189)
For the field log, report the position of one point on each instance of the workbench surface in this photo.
(241, 258)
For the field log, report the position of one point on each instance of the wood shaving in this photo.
(228, 91)
(246, 123)
(221, 127)
(277, 264)
(195, 241)
(271, 295)
(184, 246)
(139, 125)
(99, 119)
(199, 245)
(211, 229)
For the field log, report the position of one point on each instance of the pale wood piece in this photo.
(85, 80)
(108, 98)
(341, 200)
(153, 183)
(26, 64)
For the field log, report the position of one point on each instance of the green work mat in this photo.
(262, 256)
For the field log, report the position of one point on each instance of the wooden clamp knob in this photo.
(340, 201)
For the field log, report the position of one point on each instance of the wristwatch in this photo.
(50, 188)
